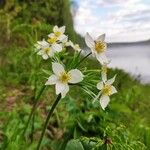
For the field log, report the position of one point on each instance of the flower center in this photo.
(47, 50)
(52, 40)
(64, 77)
(106, 90)
(100, 47)
(57, 33)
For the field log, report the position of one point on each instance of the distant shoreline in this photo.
(118, 44)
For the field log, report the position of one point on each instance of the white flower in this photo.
(61, 78)
(69, 43)
(44, 49)
(107, 89)
(53, 42)
(98, 47)
(76, 47)
(58, 35)
(37, 47)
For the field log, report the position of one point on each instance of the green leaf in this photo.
(74, 145)
(103, 147)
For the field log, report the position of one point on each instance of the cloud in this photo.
(112, 3)
(116, 18)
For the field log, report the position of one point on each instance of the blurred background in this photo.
(127, 28)
(126, 121)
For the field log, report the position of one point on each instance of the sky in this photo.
(120, 20)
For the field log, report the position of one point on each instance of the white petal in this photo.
(57, 47)
(51, 53)
(76, 47)
(51, 35)
(53, 79)
(39, 42)
(63, 38)
(37, 47)
(100, 85)
(57, 68)
(101, 38)
(102, 58)
(41, 52)
(89, 41)
(99, 58)
(93, 52)
(43, 43)
(111, 81)
(113, 89)
(45, 56)
(69, 43)
(61, 88)
(65, 91)
(55, 29)
(76, 76)
(62, 29)
(104, 100)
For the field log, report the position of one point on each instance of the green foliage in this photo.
(74, 144)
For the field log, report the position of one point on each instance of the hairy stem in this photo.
(47, 119)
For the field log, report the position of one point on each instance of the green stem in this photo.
(34, 108)
(83, 59)
(32, 127)
(33, 118)
(47, 119)
(57, 117)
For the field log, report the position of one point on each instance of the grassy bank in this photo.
(125, 122)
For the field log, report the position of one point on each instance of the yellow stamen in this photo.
(64, 77)
(57, 33)
(52, 40)
(47, 50)
(107, 90)
(100, 47)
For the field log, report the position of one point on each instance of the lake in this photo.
(133, 58)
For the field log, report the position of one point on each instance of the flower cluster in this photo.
(98, 48)
(55, 43)
(61, 77)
